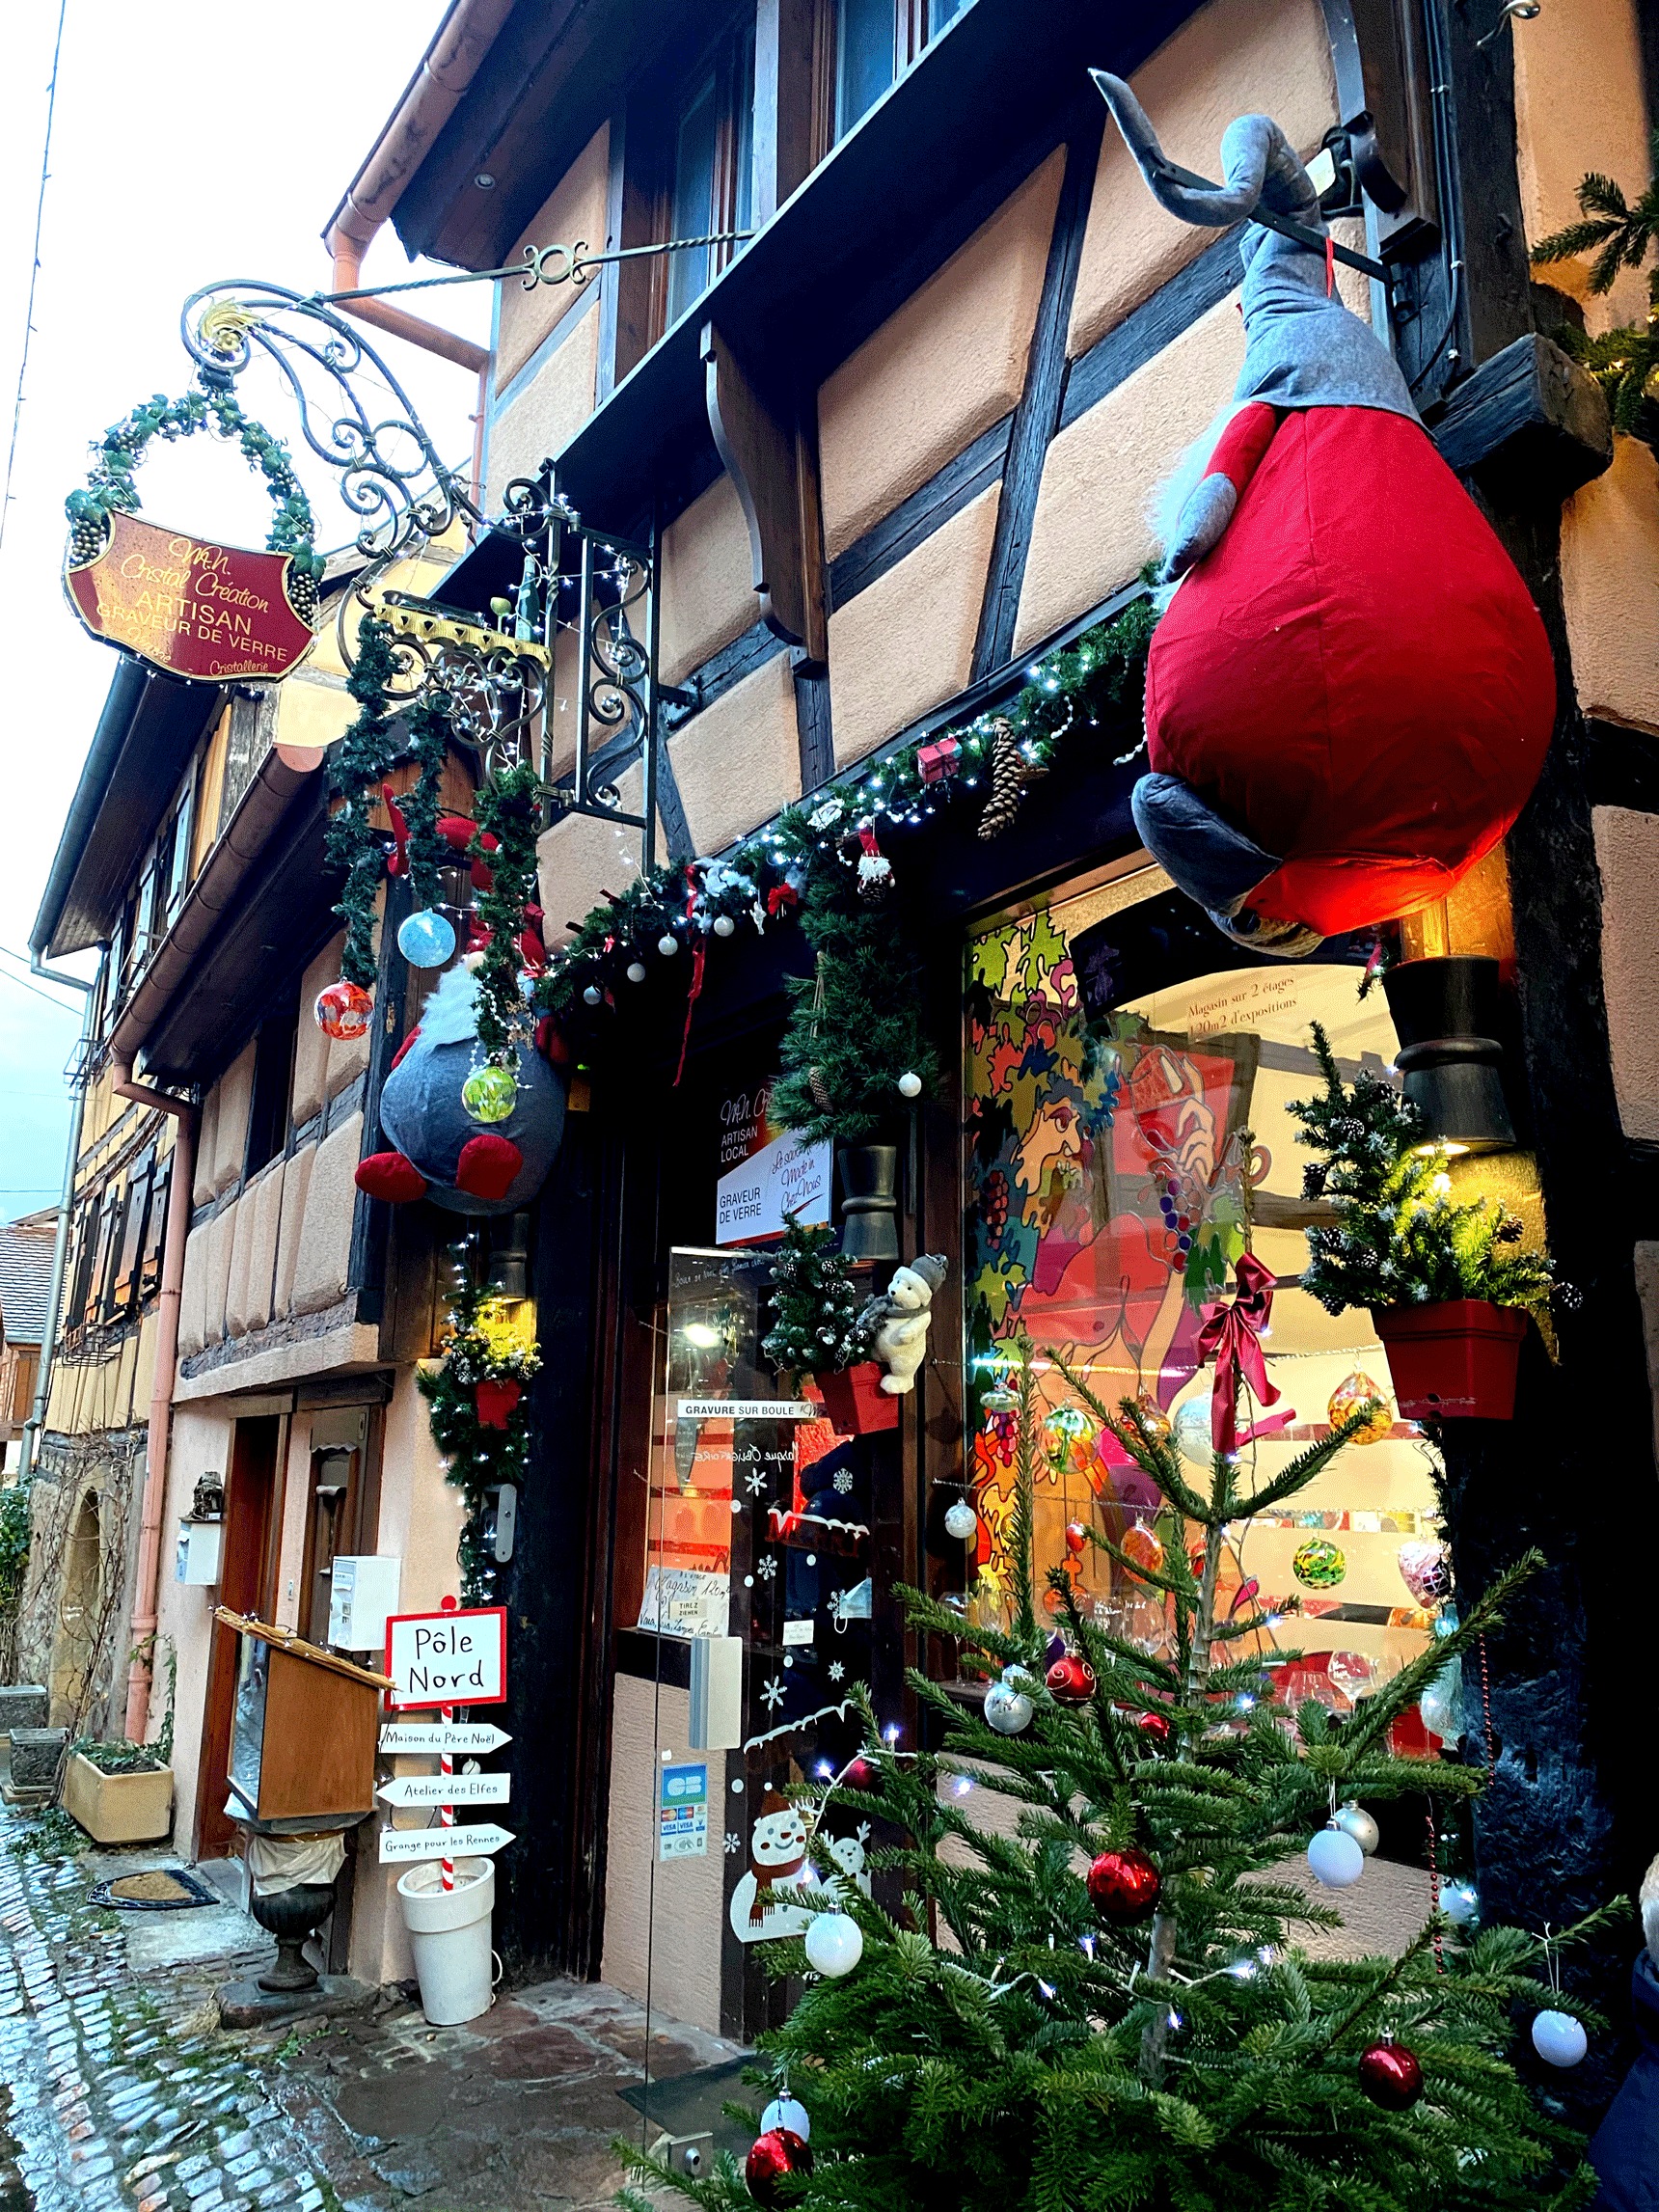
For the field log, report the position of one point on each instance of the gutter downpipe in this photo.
(37, 1420)
(436, 90)
(147, 1586)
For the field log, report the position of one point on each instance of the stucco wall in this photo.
(1627, 854)
(1610, 588)
(739, 761)
(1235, 57)
(573, 212)
(1092, 534)
(579, 859)
(949, 364)
(235, 1092)
(320, 1263)
(545, 415)
(708, 581)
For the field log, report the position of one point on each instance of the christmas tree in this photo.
(1097, 2001)
(816, 1306)
(1399, 1238)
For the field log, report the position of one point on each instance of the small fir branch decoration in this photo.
(1004, 2041)
(817, 1309)
(428, 746)
(356, 767)
(508, 808)
(1399, 1238)
(1620, 234)
(478, 1409)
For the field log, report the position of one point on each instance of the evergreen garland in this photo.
(508, 807)
(1399, 1239)
(816, 1306)
(428, 746)
(356, 767)
(1620, 236)
(487, 1341)
(1003, 2043)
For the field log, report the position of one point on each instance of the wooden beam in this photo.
(773, 464)
(1036, 416)
(1530, 418)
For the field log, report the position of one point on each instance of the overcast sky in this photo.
(181, 153)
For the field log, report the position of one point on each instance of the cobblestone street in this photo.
(121, 2092)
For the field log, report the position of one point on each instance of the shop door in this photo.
(246, 1574)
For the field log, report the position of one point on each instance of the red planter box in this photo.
(854, 1402)
(1454, 1360)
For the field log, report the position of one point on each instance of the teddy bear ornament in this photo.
(1350, 696)
(900, 1319)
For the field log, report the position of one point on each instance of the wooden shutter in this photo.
(131, 1253)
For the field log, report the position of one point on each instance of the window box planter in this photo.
(1452, 1361)
(132, 1808)
(854, 1402)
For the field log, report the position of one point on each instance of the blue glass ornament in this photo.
(428, 938)
(1559, 2040)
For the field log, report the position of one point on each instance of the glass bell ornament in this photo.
(961, 1520)
(342, 1010)
(1191, 1430)
(1355, 1821)
(1351, 1393)
(834, 1944)
(427, 938)
(1335, 1859)
(1559, 2040)
(490, 1093)
(1318, 1564)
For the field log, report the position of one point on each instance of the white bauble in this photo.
(636, 971)
(1007, 1711)
(910, 1085)
(668, 946)
(724, 927)
(789, 2113)
(1461, 1903)
(1355, 1821)
(592, 996)
(961, 1520)
(835, 1943)
(1191, 1430)
(1559, 2040)
(1335, 1859)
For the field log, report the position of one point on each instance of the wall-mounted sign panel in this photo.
(215, 612)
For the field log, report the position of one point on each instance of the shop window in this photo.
(1129, 1080)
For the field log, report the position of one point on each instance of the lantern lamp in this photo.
(1446, 1015)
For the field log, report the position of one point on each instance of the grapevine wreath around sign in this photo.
(111, 489)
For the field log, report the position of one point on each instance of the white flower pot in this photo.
(449, 1934)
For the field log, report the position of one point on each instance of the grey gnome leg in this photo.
(1212, 862)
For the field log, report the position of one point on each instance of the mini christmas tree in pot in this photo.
(820, 1333)
(1449, 1284)
(1097, 2001)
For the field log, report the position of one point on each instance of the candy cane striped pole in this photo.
(447, 1813)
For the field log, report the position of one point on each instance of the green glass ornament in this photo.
(1320, 1565)
(490, 1093)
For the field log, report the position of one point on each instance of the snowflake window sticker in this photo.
(754, 1483)
(772, 1697)
(767, 1568)
(844, 1480)
(837, 1672)
(733, 1842)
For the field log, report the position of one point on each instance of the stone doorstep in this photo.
(245, 2004)
(26, 1800)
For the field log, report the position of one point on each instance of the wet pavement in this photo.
(122, 2094)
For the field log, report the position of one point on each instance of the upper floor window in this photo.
(711, 187)
(875, 41)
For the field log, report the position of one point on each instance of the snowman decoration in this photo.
(776, 1861)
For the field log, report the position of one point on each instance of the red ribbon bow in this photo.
(397, 860)
(1232, 1336)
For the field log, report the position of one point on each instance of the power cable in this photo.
(34, 267)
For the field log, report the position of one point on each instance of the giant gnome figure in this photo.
(1350, 696)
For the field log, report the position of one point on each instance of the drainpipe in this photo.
(436, 90)
(37, 1420)
(145, 1593)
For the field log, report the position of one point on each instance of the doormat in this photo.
(168, 1889)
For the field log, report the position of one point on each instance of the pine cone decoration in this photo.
(1011, 774)
(819, 1088)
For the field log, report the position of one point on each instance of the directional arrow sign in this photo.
(455, 1735)
(481, 1842)
(447, 1790)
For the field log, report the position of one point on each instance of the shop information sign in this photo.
(683, 1813)
(447, 1790)
(483, 1841)
(457, 1659)
(217, 612)
(764, 1172)
(471, 1738)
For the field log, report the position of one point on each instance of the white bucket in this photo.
(449, 1933)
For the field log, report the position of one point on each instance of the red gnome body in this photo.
(1351, 694)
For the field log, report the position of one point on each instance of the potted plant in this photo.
(120, 1792)
(819, 1332)
(1449, 1284)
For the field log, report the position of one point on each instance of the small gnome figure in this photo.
(1624, 2149)
(899, 1321)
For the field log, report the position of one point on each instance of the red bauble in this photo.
(775, 2153)
(1070, 1679)
(496, 1398)
(1124, 1885)
(1153, 1726)
(344, 1010)
(861, 1775)
(1076, 1537)
(1390, 2076)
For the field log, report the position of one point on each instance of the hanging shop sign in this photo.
(456, 1659)
(766, 1172)
(400, 1846)
(215, 612)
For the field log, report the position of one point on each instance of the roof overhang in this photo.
(150, 727)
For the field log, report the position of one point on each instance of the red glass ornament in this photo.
(1390, 2076)
(1124, 1885)
(1153, 1726)
(775, 2153)
(1070, 1679)
(1076, 1537)
(861, 1775)
(344, 1010)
